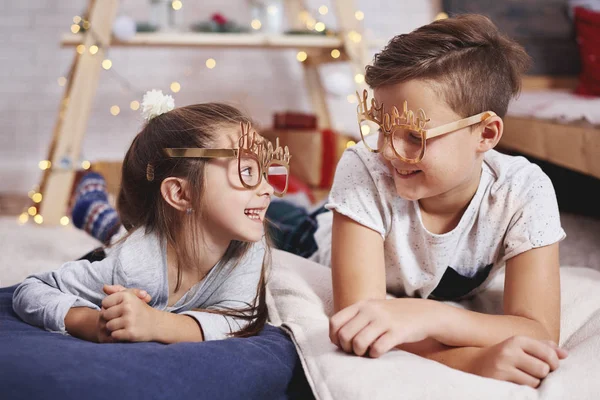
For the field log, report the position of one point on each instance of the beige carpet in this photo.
(32, 248)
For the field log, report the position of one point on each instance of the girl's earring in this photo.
(189, 211)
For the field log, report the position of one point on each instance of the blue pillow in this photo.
(38, 364)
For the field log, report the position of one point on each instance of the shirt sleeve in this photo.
(237, 290)
(45, 299)
(354, 193)
(536, 223)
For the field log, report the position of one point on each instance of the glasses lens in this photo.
(368, 128)
(408, 143)
(249, 169)
(277, 176)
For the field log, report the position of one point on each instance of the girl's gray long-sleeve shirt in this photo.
(140, 262)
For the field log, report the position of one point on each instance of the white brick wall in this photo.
(259, 82)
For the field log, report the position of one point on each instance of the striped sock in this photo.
(92, 211)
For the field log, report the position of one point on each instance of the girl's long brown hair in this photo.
(141, 206)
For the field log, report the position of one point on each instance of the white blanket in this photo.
(299, 300)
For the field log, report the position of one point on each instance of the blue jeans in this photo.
(293, 228)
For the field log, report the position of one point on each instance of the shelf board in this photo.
(232, 40)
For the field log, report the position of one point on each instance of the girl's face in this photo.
(451, 161)
(230, 210)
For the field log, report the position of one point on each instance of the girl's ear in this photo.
(176, 192)
(490, 134)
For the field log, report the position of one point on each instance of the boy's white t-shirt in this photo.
(514, 210)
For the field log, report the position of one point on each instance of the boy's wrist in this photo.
(468, 360)
(439, 320)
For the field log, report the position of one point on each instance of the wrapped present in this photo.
(315, 153)
(294, 120)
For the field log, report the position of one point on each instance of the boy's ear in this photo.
(176, 192)
(491, 132)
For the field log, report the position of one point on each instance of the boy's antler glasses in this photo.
(405, 132)
(256, 158)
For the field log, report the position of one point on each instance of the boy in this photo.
(426, 210)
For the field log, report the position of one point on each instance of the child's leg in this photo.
(92, 211)
(294, 227)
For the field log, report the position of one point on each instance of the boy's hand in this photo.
(374, 327)
(128, 318)
(112, 289)
(520, 359)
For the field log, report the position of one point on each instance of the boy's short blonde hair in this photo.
(472, 65)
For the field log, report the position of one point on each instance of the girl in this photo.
(193, 197)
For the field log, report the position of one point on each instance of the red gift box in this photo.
(315, 153)
(587, 25)
(294, 120)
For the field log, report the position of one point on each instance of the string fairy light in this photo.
(82, 25)
(301, 56)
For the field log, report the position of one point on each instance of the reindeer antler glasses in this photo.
(405, 132)
(256, 158)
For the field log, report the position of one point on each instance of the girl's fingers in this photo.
(112, 289)
(347, 332)
(140, 293)
(115, 324)
(112, 300)
(112, 313)
(120, 335)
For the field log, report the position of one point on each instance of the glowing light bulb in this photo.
(301, 56)
(175, 87)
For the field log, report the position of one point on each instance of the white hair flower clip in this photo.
(156, 103)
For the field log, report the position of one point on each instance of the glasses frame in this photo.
(388, 124)
(250, 145)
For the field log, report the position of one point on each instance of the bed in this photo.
(551, 123)
(300, 301)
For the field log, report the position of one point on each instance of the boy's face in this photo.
(451, 161)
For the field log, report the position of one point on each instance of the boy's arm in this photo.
(531, 305)
(530, 308)
(357, 263)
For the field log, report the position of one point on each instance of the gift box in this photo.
(315, 153)
(294, 120)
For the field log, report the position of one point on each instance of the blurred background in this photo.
(294, 66)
